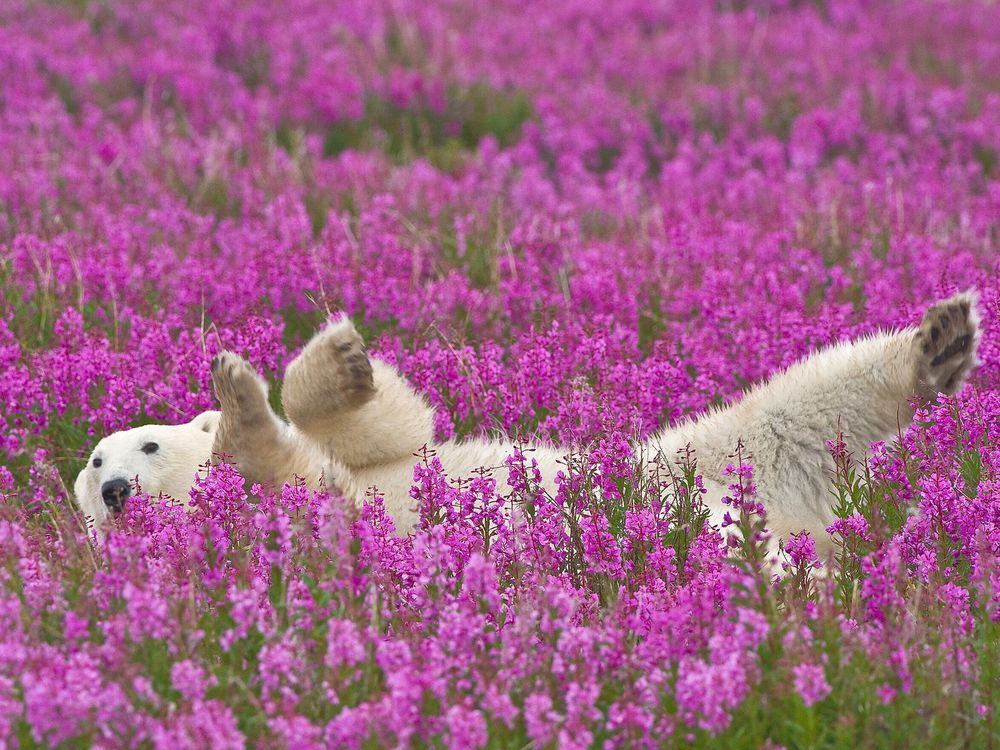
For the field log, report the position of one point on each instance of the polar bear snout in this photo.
(114, 492)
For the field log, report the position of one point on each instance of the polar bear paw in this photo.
(250, 433)
(246, 415)
(237, 385)
(945, 345)
(331, 375)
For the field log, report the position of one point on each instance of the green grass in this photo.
(471, 113)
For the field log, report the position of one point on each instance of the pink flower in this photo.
(801, 550)
(886, 693)
(810, 683)
(189, 680)
(466, 729)
(345, 645)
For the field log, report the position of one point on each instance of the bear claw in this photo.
(946, 342)
(331, 374)
(237, 385)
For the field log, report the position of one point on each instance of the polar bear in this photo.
(357, 424)
(162, 459)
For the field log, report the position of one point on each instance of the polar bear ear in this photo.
(80, 486)
(207, 421)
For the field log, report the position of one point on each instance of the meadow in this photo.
(569, 220)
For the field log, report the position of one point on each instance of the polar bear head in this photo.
(164, 459)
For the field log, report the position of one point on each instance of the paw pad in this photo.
(946, 341)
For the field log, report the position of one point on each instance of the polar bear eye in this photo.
(149, 448)
(97, 463)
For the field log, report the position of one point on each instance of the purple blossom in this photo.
(189, 680)
(574, 225)
(466, 729)
(801, 550)
(810, 682)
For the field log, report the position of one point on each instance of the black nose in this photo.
(114, 493)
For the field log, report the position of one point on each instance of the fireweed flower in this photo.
(345, 645)
(189, 680)
(539, 718)
(810, 683)
(466, 728)
(856, 525)
(885, 693)
(572, 253)
(801, 551)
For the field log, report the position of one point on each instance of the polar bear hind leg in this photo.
(860, 389)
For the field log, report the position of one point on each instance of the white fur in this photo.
(859, 387)
(170, 471)
(357, 424)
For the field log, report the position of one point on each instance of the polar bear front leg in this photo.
(361, 412)
(260, 444)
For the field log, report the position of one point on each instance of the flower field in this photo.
(565, 220)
